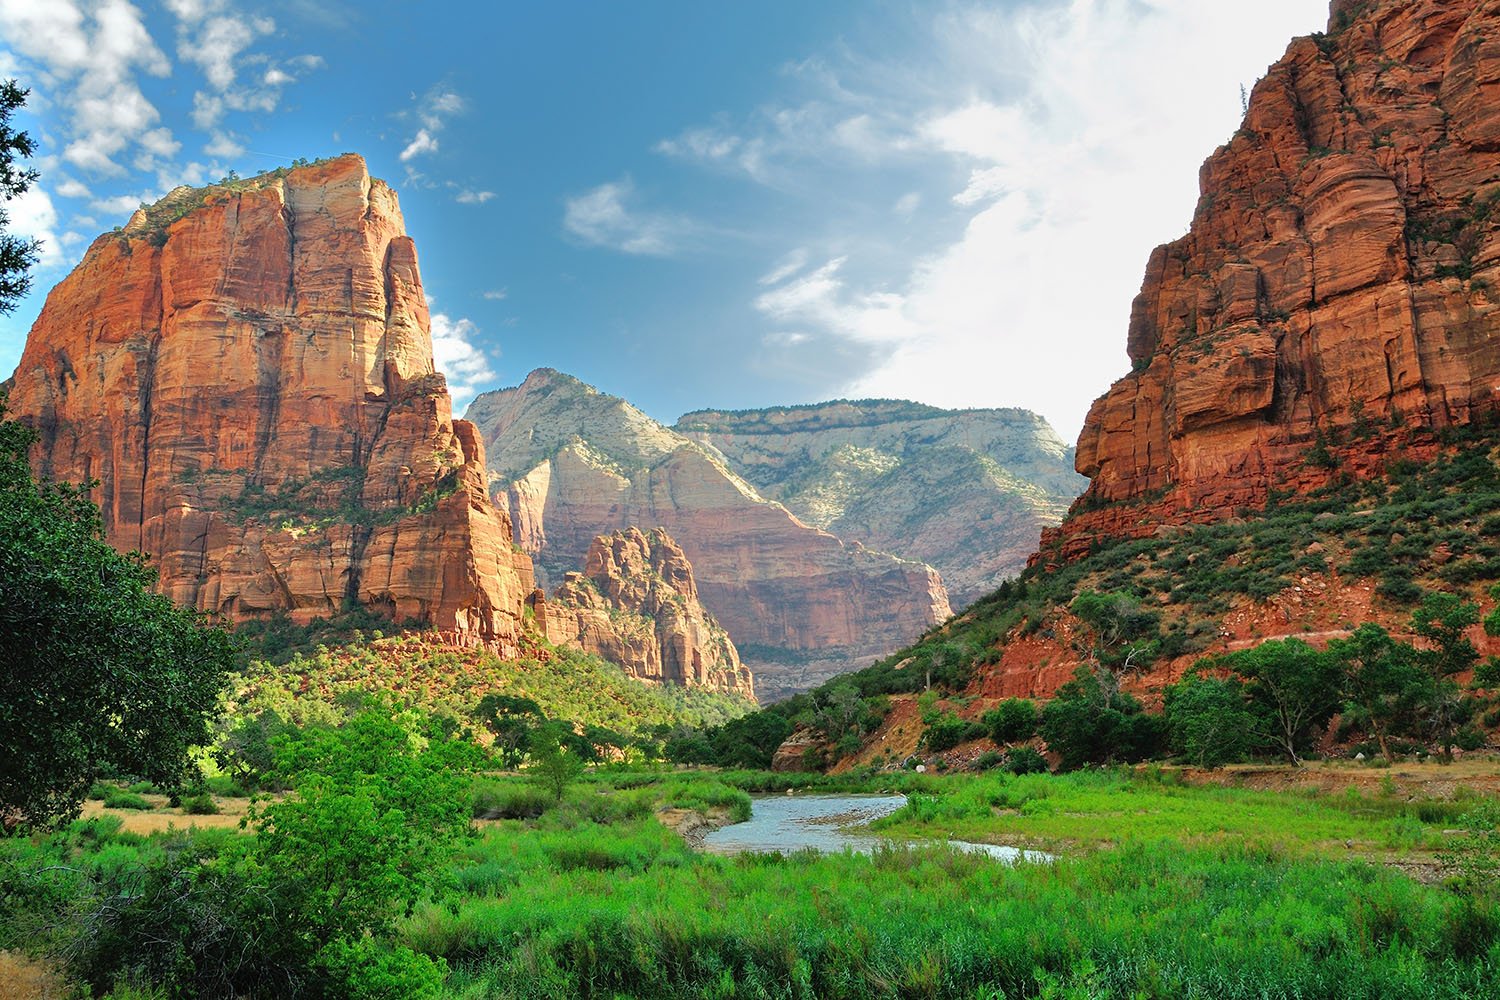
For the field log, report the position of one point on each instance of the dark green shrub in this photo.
(1011, 721)
(1025, 760)
(117, 798)
(989, 760)
(200, 805)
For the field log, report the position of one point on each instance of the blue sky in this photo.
(689, 204)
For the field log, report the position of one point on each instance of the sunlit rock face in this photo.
(247, 371)
(800, 603)
(635, 603)
(1339, 283)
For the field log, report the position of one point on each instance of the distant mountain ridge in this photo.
(571, 463)
(966, 491)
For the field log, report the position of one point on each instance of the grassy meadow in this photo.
(1161, 889)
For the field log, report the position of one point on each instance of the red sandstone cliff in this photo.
(247, 370)
(1338, 286)
(636, 604)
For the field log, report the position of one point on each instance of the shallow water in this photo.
(827, 823)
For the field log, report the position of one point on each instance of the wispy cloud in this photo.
(1078, 148)
(456, 354)
(87, 60)
(606, 217)
(467, 196)
(218, 39)
(433, 112)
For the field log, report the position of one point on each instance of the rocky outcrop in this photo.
(1337, 289)
(801, 604)
(636, 604)
(247, 371)
(965, 491)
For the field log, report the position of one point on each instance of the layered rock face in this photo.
(636, 604)
(247, 371)
(965, 491)
(801, 604)
(1338, 285)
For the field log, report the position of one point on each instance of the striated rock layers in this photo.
(965, 491)
(801, 604)
(247, 371)
(1339, 288)
(636, 604)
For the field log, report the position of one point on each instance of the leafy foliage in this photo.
(101, 672)
(17, 254)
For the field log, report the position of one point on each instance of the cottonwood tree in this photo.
(1444, 620)
(1296, 688)
(1382, 680)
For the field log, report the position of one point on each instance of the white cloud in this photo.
(225, 146)
(433, 111)
(787, 266)
(122, 204)
(32, 215)
(497, 294)
(218, 40)
(460, 359)
(1081, 146)
(86, 59)
(468, 197)
(423, 144)
(70, 188)
(603, 217)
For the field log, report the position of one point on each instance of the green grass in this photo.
(595, 911)
(1093, 810)
(1161, 891)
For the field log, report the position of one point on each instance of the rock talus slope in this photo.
(1340, 284)
(965, 491)
(247, 371)
(636, 604)
(573, 463)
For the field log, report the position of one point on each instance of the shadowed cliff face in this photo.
(636, 604)
(965, 491)
(1339, 282)
(800, 603)
(247, 371)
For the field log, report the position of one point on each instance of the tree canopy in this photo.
(99, 671)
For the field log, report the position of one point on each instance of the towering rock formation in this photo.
(965, 491)
(247, 371)
(1338, 287)
(636, 604)
(801, 604)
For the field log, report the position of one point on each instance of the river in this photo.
(828, 823)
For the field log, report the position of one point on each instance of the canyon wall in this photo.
(247, 372)
(800, 603)
(965, 491)
(1337, 289)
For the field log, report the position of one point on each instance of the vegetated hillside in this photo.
(247, 371)
(966, 491)
(451, 682)
(801, 604)
(1306, 443)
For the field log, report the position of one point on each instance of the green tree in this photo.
(1118, 633)
(1090, 721)
(17, 253)
(514, 722)
(1011, 721)
(1443, 620)
(1382, 680)
(1209, 720)
(99, 671)
(554, 767)
(1295, 687)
